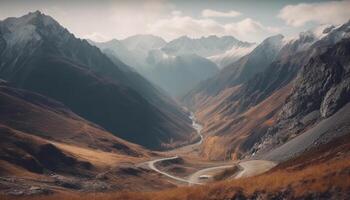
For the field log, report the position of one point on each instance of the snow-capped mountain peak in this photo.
(144, 41)
(204, 46)
(231, 55)
(306, 39)
(30, 28)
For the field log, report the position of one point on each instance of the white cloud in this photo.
(334, 12)
(96, 37)
(133, 17)
(121, 19)
(214, 13)
(176, 12)
(249, 28)
(176, 26)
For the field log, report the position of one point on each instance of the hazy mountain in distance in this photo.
(159, 67)
(178, 74)
(204, 46)
(132, 51)
(39, 55)
(140, 45)
(116, 51)
(143, 43)
(244, 68)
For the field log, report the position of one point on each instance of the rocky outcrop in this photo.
(304, 82)
(321, 88)
(322, 84)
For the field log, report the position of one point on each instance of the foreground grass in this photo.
(316, 178)
(324, 171)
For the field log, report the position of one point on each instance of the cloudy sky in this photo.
(247, 20)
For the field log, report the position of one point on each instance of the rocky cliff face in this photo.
(305, 83)
(322, 84)
(317, 68)
(321, 88)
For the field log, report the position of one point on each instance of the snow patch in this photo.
(231, 55)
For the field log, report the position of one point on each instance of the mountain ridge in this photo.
(70, 70)
(231, 110)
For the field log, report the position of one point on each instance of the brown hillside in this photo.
(321, 173)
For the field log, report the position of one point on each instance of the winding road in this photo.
(151, 165)
(254, 167)
(248, 168)
(195, 177)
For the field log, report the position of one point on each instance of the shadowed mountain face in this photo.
(44, 144)
(39, 55)
(178, 74)
(49, 119)
(29, 122)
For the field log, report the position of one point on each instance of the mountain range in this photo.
(40, 55)
(124, 119)
(194, 60)
(253, 108)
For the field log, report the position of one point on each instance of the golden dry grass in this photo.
(228, 131)
(315, 177)
(7, 169)
(96, 157)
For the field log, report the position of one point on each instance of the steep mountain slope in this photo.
(247, 117)
(204, 46)
(242, 70)
(38, 115)
(44, 144)
(317, 102)
(39, 55)
(178, 74)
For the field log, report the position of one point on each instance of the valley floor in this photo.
(324, 171)
(321, 173)
(178, 167)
